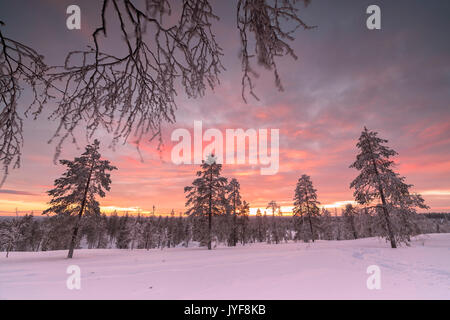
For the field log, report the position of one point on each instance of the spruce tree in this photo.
(265, 224)
(75, 192)
(123, 238)
(306, 206)
(235, 202)
(274, 207)
(327, 224)
(244, 211)
(349, 214)
(204, 197)
(260, 233)
(10, 234)
(378, 184)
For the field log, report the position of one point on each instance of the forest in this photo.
(30, 233)
(216, 213)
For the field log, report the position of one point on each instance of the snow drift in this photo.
(320, 270)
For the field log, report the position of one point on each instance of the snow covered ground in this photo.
(323, 270)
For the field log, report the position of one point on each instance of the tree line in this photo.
(217, 213)
(35, 233)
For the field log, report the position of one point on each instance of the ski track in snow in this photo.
(320, 270)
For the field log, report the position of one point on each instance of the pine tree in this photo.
(274, 207)
(244, 211)
(10, 234)
(171, 229)
(327, 225)
(204, 196)
(306, 206)
(124, 235)
(25, 230)
(36, 234)
(367, 222)
(338, 224)
(135, 231)
(112, 227)
(188, 232)
(148, 231)
(102, 232)
(349, 214)
(260, 228)
(91, 225)
(378, 182)
(181, 233)
(57, 231)
(75, 192)
(235, 202)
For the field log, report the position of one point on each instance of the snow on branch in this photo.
(20, 67)
(134, 94)
(264, 19)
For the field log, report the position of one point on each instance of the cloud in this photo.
(436, 192)
(18, 192)
(394, 81)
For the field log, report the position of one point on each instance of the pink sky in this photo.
(395, 81)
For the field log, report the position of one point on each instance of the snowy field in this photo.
(323, 270)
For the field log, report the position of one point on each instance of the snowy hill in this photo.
(321, 270)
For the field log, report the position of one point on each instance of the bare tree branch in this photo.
(20, 66)
(134, 94)
(263, 19)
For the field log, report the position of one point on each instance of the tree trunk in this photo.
(309, 218)
(383, 200)
(352, 223)
(368, 221)
(210, 211)
(77, 223)
(234, 233)
(311, 228)
(385, 211)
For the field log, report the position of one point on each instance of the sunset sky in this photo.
(395, 81)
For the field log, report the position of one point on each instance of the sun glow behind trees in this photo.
(287, 210)
(8, 208)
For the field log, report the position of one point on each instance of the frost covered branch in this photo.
(20, 67)
(132, 94)
(264, 19)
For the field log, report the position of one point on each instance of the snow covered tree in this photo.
(149, 232)
(366, 222)
(56, 232)
(377, 182)
(136, 230)
(306, 207)
(244, 210)
(235, 202)
(94, 227)
(124, 232)
(327, 225)
(10, 234)
(25, 238)
(274, 234)
(171, 225)
(204, 196)
(260, 227)
(179, 232)
(75, 192)
(349, 214)
(112, 227)
(33, 233)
